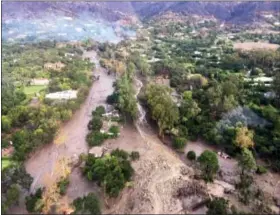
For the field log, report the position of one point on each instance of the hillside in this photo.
(239, 12)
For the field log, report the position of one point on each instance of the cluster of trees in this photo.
(88, 204)
(33, 202)
(217, 87)
(247, 166)
(95, 137)
(124, 67)
(111, 171)
(163, 109)
(126, 100)
(123, 98)
(15, 181)
(33, 126)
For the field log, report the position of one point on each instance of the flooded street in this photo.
(42, 165)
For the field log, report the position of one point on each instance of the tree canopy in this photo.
(209, 164)
(163, 109)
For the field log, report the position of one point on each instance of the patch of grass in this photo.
(6, 161)
(29, 90)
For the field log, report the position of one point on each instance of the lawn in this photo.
(29, 90)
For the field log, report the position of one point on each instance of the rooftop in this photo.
(68, 94)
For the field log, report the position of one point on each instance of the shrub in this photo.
(95, 124)
(112, 99)
(119, 153)
(179, 143)
(33, 202)
(261, 170)
(191, 155)
(98, 111)
(5, 123)
(95, 138)
(115, 130)
(134, 155)
(62, 185)
(87, 205)
(209, 164)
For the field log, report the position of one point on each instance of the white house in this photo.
(68, 94)
(39, 81)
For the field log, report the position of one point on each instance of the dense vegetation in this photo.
(213, 81)
(87, 205)
(34, 202)
(15, 181)
(210, 78)
(95, 137)
(29, 126)
(111, 171)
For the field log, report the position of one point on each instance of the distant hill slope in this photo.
(232, 12)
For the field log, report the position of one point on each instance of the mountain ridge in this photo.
(231, 12)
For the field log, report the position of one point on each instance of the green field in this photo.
(33, 89)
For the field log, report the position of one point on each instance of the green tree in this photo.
(33, 202)
(209, 164)
(276, 87)
(143, 66)
(111, 171)
(95, 138)
(62, 185)
(189, 108)
(98, 111)
(247, 161)
(5, 123)
(247, 164)
(191, 155)
(115, 130)
(163, 109)
(131, 69)
(87, 205)
(12, 195)
(126, 100)
(220, 99)
(179, 143)
(95, 124)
